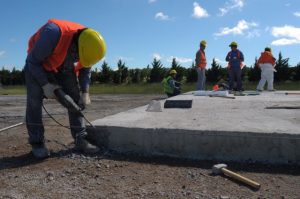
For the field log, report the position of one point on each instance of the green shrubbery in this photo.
(156, 72)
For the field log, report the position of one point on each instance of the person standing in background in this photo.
(235, 60)
(266, 63)
(201, 65)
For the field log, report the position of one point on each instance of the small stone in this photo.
(223, 197)
(98, 166)
(107, 166)
(50, 175)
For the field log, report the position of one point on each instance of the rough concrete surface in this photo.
(240, 129)
(67, 174)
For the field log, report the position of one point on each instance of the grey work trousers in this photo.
(68, 81)
(201, 79)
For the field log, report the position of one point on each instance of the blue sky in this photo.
(136, 31)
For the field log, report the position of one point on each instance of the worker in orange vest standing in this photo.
(266, 63)
(60, 56)
(235, 60)
(201, 65)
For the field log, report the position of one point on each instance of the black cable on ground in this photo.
(57, 122)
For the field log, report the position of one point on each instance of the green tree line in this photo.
(155, 72)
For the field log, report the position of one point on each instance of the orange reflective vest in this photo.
(266, 57)
(201, 59)
(56, 59)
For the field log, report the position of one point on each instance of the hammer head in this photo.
(217, 169)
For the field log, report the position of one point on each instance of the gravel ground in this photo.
(67, 174)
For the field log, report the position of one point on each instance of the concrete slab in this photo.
(238, 129)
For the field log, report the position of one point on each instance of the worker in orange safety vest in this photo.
(266, 63)
(201, 65)
(56, 53)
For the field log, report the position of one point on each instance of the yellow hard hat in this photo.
(91, 46)
(203, 42)
(233, 44)
(173, 72)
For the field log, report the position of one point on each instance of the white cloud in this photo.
(157, 56)
(290, 35)
(219, 61)
(241, 28)
(199, 12)
(179, 59)
(297, 14)
(2, 53)
(253, 33)
(161, 16)
(151, 1)
(231, 5)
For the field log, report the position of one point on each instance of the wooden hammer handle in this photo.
(241, 178)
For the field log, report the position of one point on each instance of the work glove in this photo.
(84, 100)
(49, 90)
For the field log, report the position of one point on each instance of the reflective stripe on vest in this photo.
(56, 59)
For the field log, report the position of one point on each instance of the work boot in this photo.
(40, 151)
(82, 145)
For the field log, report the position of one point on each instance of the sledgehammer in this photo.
(222, 168)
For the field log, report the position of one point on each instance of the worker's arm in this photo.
(273, 61)
(228, 57)
(49, 37)
(197, 60)
(242, 57)
(84, 79)
(173, 83)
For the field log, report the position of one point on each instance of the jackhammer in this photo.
(69, 103)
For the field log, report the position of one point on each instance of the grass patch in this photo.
(126, 89)
(12, 90)
(155, 88)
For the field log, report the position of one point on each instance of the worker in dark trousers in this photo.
(60, 55)
(235, 59)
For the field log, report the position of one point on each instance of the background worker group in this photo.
(235, 59)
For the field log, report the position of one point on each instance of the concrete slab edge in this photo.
(272, 148)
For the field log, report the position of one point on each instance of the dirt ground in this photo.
(67, 174)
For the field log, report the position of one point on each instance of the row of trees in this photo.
(156, 72)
